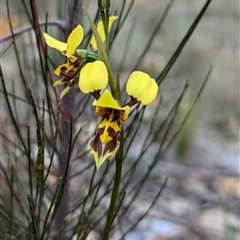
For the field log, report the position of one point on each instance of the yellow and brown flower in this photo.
(94, 78)
(69, 71)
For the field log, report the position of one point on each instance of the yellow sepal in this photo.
(101, 32)
(54, 43)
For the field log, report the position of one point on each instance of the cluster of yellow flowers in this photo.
(93, 79)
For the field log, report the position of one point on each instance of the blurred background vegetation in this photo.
(214, 42)
(211, 134)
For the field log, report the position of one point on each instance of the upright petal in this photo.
(101, 32)
(93, 77)
(74, 39)
(142, 87)
(54, 43)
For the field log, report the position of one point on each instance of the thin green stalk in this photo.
(54, 144)
(95, 188)
(139, 184)
(49, 101)
(154, 33)
(15, 194)
(61, 206)
(15, 48)
(11, 112)
(122, 19)
(40, 174)
(188, 113)
(179, 49)
(60, 230)
(32, 217)
(50, 208)
(90, 191)
(149, 208)
(38, 131)
(114, 197)
(105, 20)
(29, 162)
(11, 204)
(81, 224)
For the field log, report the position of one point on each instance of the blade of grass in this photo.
(33, 224)
(46, 226)
(11, 202)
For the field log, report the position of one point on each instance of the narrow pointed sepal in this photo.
(65, 91)
(54, 43)
(59, 82)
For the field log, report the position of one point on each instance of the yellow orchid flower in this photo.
(140, 87)
(105, 143)
(68, 71)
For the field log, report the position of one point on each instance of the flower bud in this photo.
(104, 5)
(84, 54)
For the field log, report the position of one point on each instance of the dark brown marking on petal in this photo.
(110, 146)
(132, 102)
(62, 71)
(112, 133)
(96, 94)
(77, 63)
(70, 74)
(96, 143)
(116, 116)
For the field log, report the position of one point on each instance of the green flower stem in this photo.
(105, 20)
(111, 79)
(114, 197)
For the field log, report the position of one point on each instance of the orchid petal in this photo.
(93, 77)
(74, 39)
(142, 87)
